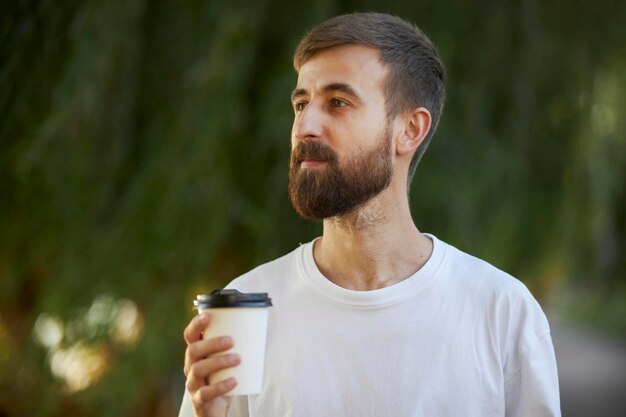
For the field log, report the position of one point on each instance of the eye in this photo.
(299, 106)
(337, 103)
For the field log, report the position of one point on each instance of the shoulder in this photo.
(473, 273)
(500, 295)
(508, 306)
(269, 275)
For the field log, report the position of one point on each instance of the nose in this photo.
(308, 124)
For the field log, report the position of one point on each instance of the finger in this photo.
(211, 392)
(193, 331)
(199, 372)
(204, 348)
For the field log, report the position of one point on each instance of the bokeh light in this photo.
(48, 330)
(79, 350)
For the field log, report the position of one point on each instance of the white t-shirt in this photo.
(458, 338)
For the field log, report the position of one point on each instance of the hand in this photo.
(208, 400)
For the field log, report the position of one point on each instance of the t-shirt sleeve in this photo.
(533, 391)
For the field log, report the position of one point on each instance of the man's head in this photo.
(416, 76)
(370, 86)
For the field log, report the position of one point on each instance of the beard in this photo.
(335, 190)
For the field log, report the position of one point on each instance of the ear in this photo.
(416, 124)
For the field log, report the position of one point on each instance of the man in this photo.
(375, 318)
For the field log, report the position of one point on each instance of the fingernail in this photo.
(231, 382)
(204, 317)
(227, 340)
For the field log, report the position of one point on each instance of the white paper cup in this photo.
(244, 318)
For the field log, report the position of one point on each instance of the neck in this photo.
(374, 246)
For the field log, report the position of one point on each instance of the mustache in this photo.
(313, 150)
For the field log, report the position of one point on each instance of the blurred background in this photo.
(143, 159)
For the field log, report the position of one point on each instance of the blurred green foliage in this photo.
(143, 159)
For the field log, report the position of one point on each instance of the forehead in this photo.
(358, 66)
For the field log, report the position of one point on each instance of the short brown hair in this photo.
(416, 77)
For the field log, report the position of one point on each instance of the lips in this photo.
(313, 160)
(311, 163)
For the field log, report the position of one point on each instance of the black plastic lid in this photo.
(231, 298)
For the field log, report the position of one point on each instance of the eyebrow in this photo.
(330, 88)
